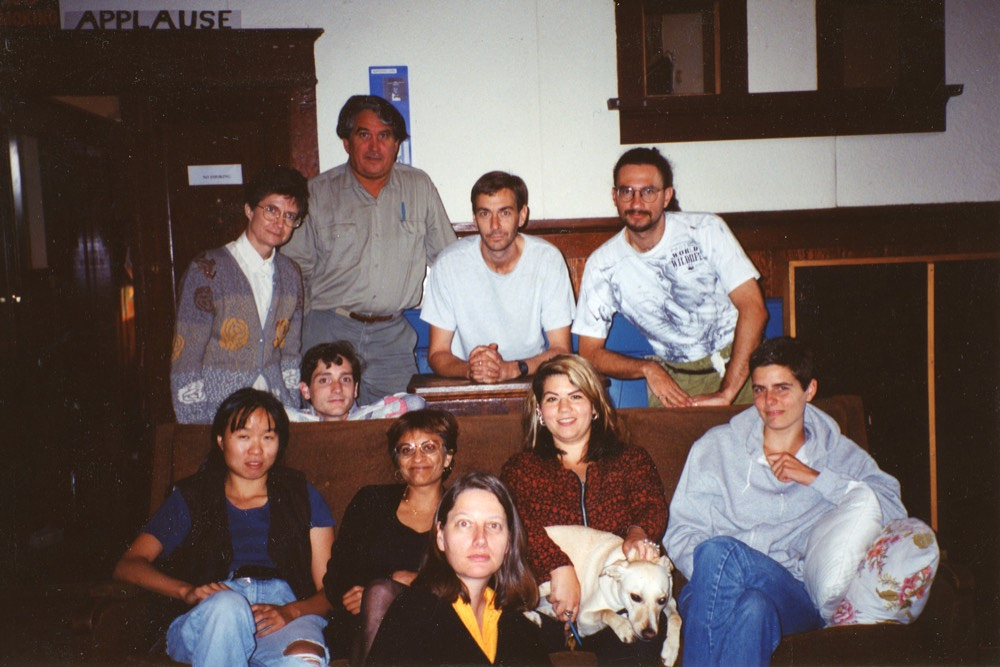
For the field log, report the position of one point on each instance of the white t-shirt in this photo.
(513, 309)
(676, 294)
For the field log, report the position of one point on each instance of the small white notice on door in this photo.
(215, 174)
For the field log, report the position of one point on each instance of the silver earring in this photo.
(538, 413)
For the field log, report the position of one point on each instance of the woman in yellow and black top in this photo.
(466, 604)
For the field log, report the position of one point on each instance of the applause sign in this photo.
(152, 19)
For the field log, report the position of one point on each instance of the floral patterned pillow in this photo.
(894, 580)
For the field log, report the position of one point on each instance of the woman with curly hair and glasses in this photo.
(385, 527)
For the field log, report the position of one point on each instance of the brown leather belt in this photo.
(367, 318)
(691, 371)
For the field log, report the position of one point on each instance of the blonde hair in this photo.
(606, 430)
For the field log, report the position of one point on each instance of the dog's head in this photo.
(644, 589)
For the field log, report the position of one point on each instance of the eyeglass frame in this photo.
(647, 193)
(272, 213)
(427, 448)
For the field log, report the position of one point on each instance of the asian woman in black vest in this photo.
(241, 546)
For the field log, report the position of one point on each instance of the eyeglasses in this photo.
(648, 193)
(271, 213)
(408, 449)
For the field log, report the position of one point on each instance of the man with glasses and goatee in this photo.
(684, 281)
(239, 315)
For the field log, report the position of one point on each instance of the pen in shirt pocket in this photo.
(402, 211)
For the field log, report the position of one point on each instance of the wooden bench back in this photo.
(340, 458)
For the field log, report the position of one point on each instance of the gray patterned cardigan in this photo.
(219, 345)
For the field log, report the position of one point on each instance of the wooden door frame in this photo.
(930, 261)
(141, 67)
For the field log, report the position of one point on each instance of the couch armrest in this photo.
(119, 622)
(944, 633)
(949, 618)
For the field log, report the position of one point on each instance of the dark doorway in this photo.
(97, 222)
(68, 361)
(902, 325)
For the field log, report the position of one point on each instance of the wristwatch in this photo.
(522, 368)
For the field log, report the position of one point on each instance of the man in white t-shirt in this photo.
(493, 300)
(684, 281)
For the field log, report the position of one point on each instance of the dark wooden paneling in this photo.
(62, 62)
(772, 239)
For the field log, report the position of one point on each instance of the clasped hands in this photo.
(486, 366)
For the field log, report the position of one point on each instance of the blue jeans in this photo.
(220, 632)
(739, 604)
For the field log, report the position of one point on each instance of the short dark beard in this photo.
(640, 228)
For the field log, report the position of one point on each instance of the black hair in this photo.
(650, 156)
(278, 181)
(233, 414)
(788, 352)
(334, 354)
(439, 422)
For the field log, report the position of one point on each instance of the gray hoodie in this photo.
(727, 488)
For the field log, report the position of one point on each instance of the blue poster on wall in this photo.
(393, 83)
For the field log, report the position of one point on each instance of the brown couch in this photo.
(340, 458)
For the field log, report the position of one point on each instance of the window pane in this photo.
(681, 46)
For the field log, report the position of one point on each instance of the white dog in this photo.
(610, 582)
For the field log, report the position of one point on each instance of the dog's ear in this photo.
(665, 562)
(616, 570)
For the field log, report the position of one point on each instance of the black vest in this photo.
(207, 552)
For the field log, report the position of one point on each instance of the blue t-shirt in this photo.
(248, 529)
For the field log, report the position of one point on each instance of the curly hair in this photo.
(439, 422)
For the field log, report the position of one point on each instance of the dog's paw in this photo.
(534, 617)
(671, 645)
(668, 654)
(621, 627)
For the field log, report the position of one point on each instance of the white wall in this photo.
(522, 85)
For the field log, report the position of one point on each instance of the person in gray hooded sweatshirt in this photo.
(750, 493)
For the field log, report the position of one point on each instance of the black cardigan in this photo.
(351, 563)
(422, 629)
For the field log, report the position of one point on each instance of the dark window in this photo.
(682, 72)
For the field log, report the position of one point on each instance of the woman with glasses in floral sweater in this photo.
(239, 316)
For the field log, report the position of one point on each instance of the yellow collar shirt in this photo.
(489, 634)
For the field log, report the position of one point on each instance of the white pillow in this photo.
(837, 544)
